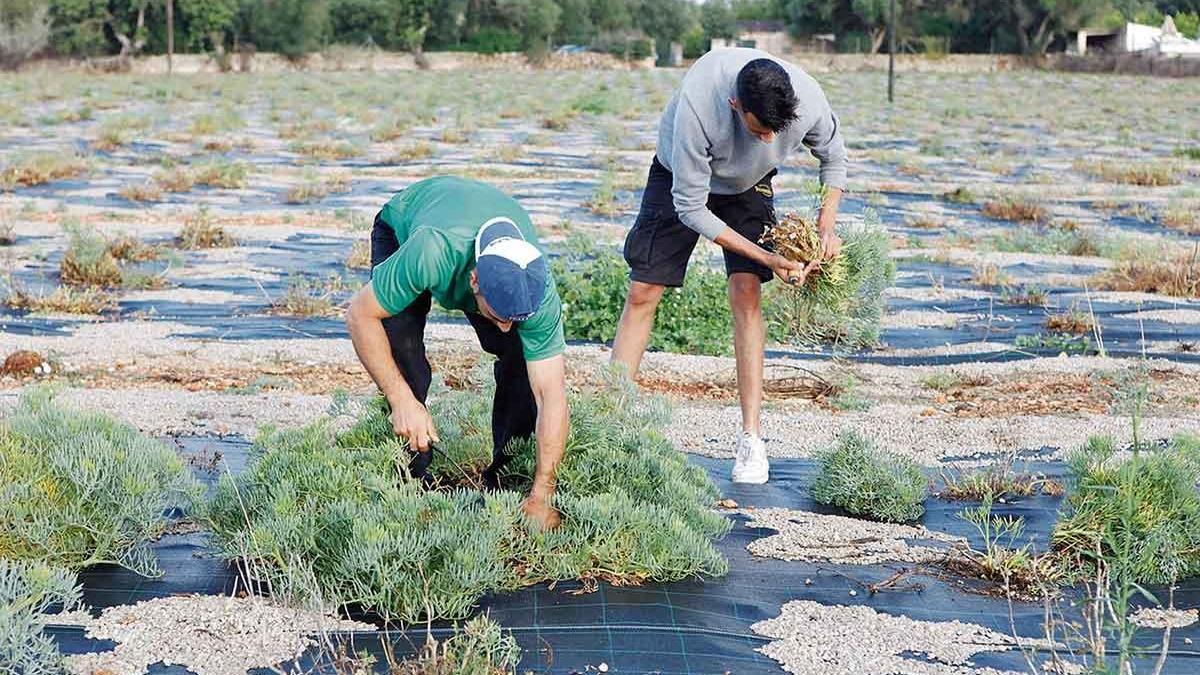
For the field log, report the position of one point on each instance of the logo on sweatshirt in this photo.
(764, 190)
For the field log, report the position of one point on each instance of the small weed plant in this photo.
(87, 260)
(1005, 560)
(82, 300)
(1146, 496)
(863, 480)
(1167, 271)
(80, 489)
(40, 168)
(200, 231)
(1015, 209)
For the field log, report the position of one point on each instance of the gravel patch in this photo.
(1174, 316)
(814, 639)
(911, 318)
(1148, 617)
(161, 411)
(927, 294)
(815, 537)
(712, 431)
(191, 296)
(208, 634)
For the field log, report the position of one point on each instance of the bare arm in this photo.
(547, 378)
(831, 244)
(364, 320)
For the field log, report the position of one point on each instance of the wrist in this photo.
(398, 399)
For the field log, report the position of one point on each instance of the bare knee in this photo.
(745, 294)
(643, 296)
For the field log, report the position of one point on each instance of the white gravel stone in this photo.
(711, 430)
(1174, 316)
(208, 634)
(922, 319)
(1153, 617)
(815, 537)
(815, 639)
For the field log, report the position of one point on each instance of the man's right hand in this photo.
(412, 421)
(789, 271)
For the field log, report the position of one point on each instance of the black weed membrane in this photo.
(688, 627)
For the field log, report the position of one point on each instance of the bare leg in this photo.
(749, 343)
(633, 332)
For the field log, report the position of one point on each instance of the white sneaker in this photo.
(750, 464)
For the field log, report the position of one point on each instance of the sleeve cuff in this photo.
(834, 178)
(704, 222)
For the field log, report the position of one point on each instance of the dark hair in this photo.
(765, 89)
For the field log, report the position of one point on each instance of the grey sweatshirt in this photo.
(704, 142)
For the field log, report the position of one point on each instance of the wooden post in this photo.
(170, 35)
(892, 54)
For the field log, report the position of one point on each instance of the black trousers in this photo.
(514, 409)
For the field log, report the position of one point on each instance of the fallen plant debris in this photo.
(1028, 394)
(1169, 272)
(857, 477)
(842, 302)
(996, 482)
(480, 647)
(1073, 321)
(1015, 209)
(80, 488)
(28, 590)
(83, 300)
(36, 169)
(633, 509)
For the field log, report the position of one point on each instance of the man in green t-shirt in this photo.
(472, 248)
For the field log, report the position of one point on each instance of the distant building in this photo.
(1136, 38)
(769, 36)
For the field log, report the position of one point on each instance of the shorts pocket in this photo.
(639, 243)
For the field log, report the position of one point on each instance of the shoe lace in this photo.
(745, 449)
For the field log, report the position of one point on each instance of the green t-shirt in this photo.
(435, 221)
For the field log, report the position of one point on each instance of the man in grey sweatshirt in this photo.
(737, 116)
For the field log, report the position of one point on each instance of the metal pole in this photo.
(892, 54)
(170, 35)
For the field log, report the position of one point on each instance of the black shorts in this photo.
(659, 245)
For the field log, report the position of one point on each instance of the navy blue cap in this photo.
(511, 271)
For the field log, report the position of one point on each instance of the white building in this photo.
(1136, 38)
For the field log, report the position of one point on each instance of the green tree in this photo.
(79, 27)
(357, 21)
(292, 28)
(540, 23)
(1188, 24)
(206, 21)
(1037, 22)
(24, 30)
(611, 15)
(575, 24)
(718, 20)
